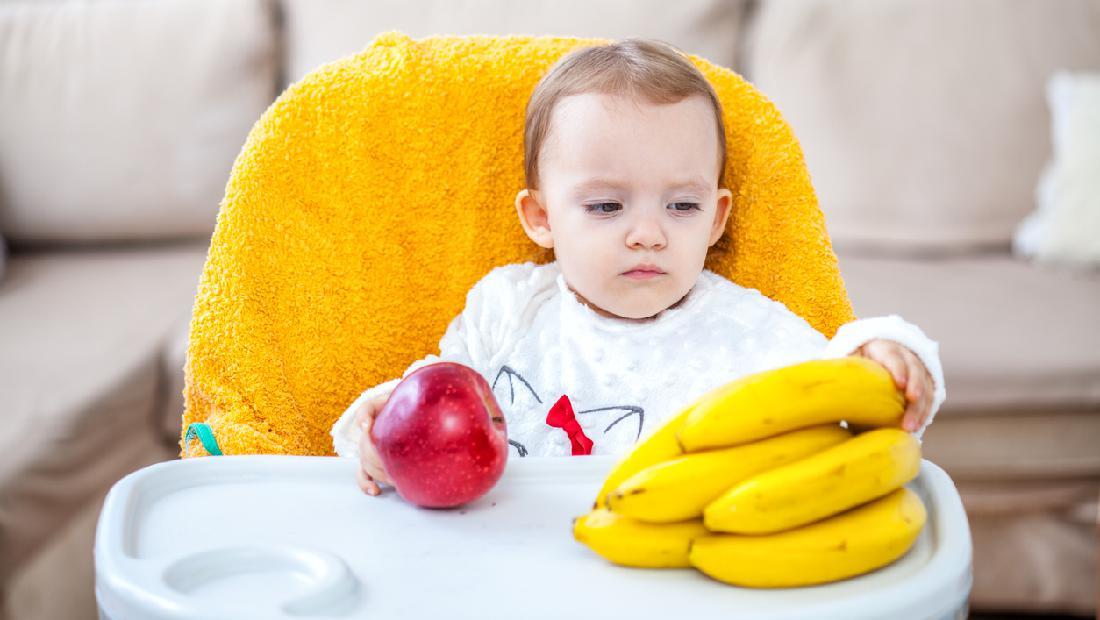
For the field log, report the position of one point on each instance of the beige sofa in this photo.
(119, 122)
(924, 128)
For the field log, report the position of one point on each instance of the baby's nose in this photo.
(646, 232)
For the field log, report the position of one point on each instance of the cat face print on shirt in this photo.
(526, 409)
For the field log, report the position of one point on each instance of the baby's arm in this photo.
(493, 308)
(461, 343)
(802, 342)
(351, 433)
(852, 337)
(346, 433)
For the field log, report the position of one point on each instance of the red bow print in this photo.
(561, 416)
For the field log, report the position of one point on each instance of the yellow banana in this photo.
(837, 478)
(680, 488)
(631, 543)
(855, 389)
(660, 446)
(848, 544)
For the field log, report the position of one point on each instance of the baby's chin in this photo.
(639, 310)
(631, 301)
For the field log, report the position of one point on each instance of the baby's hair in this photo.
(634, 68)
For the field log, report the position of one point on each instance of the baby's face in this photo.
(628, 184)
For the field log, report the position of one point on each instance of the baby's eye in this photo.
(603, 207)
(685, 206)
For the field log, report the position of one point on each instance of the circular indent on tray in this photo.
(307, 582)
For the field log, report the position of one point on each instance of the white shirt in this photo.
(526, 332)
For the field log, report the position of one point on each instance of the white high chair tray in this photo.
(276, 537)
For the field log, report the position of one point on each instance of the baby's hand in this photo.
(910, 375)
(371, 471)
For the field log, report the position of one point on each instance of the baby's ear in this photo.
(534, 218)
(723, 204)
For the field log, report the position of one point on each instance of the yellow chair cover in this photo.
(374, 193)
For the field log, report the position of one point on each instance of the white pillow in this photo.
(1065, 228)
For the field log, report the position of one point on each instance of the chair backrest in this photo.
(375, 192)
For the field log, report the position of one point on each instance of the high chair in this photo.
(366, 202)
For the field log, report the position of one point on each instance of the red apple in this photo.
(441, 436)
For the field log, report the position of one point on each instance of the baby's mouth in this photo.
(643, 274)
(643, 269)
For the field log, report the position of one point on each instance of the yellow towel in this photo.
(374, 193)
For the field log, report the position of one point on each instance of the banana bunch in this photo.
(757, 484)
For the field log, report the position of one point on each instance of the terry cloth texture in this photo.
(374, 193)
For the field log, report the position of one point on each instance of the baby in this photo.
(624, 152)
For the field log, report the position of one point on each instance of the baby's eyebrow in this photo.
(594, 184)
(696, 184)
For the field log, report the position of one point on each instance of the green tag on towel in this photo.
(205, 435)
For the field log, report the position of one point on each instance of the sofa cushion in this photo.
(82, 335)
(1013, 335)
(121, 119)
(319, 31)
(1056, 444)
(1034, 546)
(923, 121)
